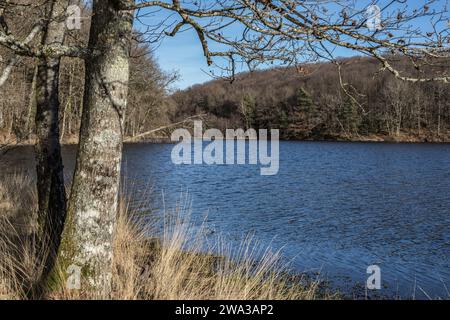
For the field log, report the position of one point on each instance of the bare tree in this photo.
(93, 202)
(49, 166)
(246, 32)
(294, 31)
(396, 94)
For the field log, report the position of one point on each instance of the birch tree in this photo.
(92, 211)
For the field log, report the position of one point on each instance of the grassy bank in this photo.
(176, 265)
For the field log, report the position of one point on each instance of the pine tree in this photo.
(305, 103)
(349, 116)
(248, 110)
(302, 116)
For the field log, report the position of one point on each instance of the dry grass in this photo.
(177, 265)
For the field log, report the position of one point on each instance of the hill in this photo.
(312, 102)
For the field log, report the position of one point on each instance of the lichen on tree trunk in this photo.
(88, 235)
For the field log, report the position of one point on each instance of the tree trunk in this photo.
(68, 107)
(92, 212)
(32, 103)
(49, 167)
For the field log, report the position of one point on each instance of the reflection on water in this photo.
(333, 207)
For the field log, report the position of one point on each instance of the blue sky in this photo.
(183, 53)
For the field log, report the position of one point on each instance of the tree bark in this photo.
(68, 107)
(32, 103)
(92, 212)
(49, 166)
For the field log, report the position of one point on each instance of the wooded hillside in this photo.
(307, 102)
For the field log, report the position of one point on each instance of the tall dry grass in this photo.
(179, 264)
(19, 267)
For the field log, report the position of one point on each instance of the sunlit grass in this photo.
(176, 262)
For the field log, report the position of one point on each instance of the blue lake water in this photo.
(333, 207)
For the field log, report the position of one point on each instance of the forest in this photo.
(307, 102)
(324, 101)
(347, 99)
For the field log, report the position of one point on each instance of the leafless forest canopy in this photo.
(149, 103)
(314, 102)
(311, 101)
(307, 102)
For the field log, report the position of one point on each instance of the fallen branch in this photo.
(198, 116)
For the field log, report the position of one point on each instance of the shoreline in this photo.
(362, 139)
(340, 286)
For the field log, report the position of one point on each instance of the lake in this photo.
(333, 207)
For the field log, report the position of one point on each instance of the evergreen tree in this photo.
(302, 116)
(306, 107)
(248, 110)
